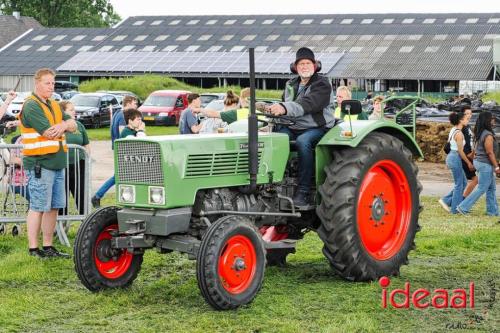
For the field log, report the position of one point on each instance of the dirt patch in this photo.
(431, 137)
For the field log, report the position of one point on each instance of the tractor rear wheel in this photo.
(98, 265)
(231, 263)
(369, 208)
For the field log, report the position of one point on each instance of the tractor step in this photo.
(281, 244)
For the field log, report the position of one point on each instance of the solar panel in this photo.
(188, 62)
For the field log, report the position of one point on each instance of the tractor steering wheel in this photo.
(277, 120)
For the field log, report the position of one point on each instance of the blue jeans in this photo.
(486, 184)
(305, 141)
(455, 197)
(105, 187)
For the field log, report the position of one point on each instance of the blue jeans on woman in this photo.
(455, 197)
(486, 184)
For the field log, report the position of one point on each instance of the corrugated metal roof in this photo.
(385, 46)
(12, 27)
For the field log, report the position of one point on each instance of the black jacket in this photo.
(312, 106)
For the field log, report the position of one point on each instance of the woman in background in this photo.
(486, 165)
(231, 101)
(75, 173)
(454, 162)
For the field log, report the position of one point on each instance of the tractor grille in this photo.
(218, 164)
(139, 162)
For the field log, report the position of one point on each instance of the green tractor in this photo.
(225, 200)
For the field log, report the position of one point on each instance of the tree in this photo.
(64, 13)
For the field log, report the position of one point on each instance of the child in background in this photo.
(135, 125)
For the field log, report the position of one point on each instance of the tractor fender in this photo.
(362, 128)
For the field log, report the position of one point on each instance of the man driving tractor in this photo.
(306, 99)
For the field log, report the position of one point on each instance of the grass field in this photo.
(305, 296)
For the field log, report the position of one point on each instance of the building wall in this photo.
(8, 82)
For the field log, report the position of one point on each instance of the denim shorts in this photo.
(46, 192)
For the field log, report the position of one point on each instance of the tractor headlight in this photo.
(156, 195)
(126, 193)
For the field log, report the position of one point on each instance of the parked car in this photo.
(62, 86)
(120, 94)
(164, 107)
(93, 109)
(69, 94)
(209, 97)
(56, 97)
(17, 104)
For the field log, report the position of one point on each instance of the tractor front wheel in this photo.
(231, 263)
(98, 265)
(369, 208)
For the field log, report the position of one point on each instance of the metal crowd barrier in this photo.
(14, 190)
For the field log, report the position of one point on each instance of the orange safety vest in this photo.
(35, 144)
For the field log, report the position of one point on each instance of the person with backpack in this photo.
(454, 162)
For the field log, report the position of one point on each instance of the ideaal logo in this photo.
(422, 298)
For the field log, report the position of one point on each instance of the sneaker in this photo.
(51, 252)
(461, 212)
(444, 205)
(37, 253)
(96, 202)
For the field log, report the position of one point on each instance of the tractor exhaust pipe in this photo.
(253, 133)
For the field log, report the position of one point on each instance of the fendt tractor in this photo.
(226, 201)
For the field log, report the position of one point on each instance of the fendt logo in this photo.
(423, 298)
(138, 159)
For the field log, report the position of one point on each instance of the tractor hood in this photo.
(185, 164)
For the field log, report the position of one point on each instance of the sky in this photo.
(126, 8)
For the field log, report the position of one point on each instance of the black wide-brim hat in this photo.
(304, 53)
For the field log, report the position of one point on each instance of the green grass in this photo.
(492, 96)
(305, 296)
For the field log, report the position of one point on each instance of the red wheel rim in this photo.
(237, 264)
(384, 209)
(111, 263)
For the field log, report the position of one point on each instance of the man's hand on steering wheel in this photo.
(277, 110)
(277, 120)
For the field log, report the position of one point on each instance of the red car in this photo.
(164, 107)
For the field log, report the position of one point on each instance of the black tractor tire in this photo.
(231, 263)
(369, 208)
(98, 266)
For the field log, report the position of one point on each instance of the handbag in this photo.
(447, 146)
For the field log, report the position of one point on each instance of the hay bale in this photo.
(431, 137)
